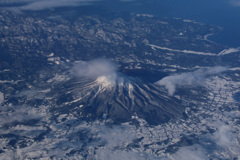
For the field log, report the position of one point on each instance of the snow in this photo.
(183, 51)
(1, 97)
(58, 78)
(229, 51)
(11, 82)
(223, 52)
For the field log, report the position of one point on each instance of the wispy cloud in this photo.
(224, 136)
(48, 4)
(194, 152)
(235, 2)
(195, 78)
(115, 137)
(128, 0)
(37, 5)
(94, 68)
(18, 114)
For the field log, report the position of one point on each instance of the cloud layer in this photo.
(47, 4)
(37, 5)
(195, 78)
(194, 152)
(224, 136)
(235, 2)
(94, 68)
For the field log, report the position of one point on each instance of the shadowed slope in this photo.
(118, 97)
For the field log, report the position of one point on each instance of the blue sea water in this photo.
(221, 13)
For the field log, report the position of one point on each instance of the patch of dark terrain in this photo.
(149, 76)
(236, 97)
(184, 141)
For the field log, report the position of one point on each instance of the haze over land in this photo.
(86, 79)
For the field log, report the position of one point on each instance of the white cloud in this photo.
(94, 68)
(128, 0)
(10, 114)
(194, 152)
(117, 139)
(47, 4)
(33, 5)
(118, 155)
(195, 78)
(235, 2)
(224, 136)
(37, 5)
